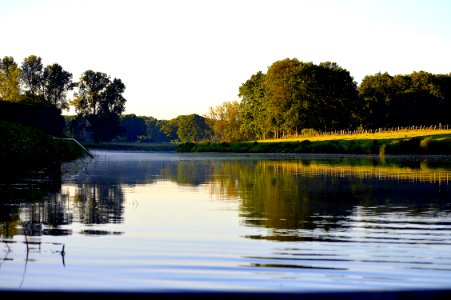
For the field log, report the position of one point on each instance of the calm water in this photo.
(169, 222)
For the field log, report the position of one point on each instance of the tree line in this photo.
(97, 99)
(293, 97)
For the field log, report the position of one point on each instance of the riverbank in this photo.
(27, 151)
(436, 144)
(132, 146)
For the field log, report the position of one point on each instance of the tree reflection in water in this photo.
(284, 195)
(291, 196)
(49, 213)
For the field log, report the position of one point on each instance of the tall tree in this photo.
(255, 122)
(112, 100)
(100, 101)
(56, 83)
(336, 95)
(9, 79)
(91, 89)
(280, 91)
(376, 91)
(32, 76)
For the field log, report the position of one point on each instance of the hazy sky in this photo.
(183, 56)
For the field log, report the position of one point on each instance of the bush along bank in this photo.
(27, 151)
(427, 145)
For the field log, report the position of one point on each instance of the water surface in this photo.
(130, 221)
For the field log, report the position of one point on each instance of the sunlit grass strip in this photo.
(395, 134)
(424, 174)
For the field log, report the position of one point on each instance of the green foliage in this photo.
(33, 83)
(154, 131)
(293, 95)
(26, 149)
(435, 145)
(9, 79)
(169, 129)
(253, 114)
(132, 127)
(191, 128)
(98, 94)
(419, 98)
(31, 76)
(309, 132)
(100, 102)
(226, 122)
(56, 83)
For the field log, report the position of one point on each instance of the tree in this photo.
(32, 77)
(280, 91)
(9, 79)
(335, 91)
(255, 122)
(191, 128)
(133, 127)
(376, 92)
(420, 98)
(112, 100)
(91, 89)
(225, 121)
(169, 128)
(99, 100)
(154, 132)
(56, 83)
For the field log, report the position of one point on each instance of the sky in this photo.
(179, 57)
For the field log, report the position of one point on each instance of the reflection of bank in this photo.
(48, 213)
(95, 204)
(295, 199)
(321, 196)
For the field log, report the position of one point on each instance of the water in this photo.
(171, 222)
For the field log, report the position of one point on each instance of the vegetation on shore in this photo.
(409, 143)
(292, 98)
(26, 150)
(132, 146)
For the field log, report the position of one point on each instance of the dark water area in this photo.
(153, 222)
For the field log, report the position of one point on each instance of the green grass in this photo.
(439, 144)
(385, 135)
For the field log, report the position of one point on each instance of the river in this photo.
(143, 221)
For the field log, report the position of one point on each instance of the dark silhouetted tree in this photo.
(100, 102)
(56, 83)
(32, 78)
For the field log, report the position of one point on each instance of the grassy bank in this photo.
(25, 150)
(382, 135)
(132, 146)
(426, 144)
